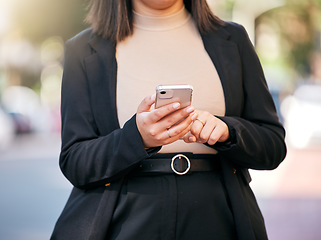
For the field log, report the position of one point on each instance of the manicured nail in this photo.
(194, 116)
(176, 105)
(190, 109)
(153, 97)
(192, 139)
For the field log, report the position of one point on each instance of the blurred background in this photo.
(287, 37)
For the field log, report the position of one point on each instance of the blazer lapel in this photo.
(225, 56)
(101, 68)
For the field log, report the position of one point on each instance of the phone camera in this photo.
(163, 92)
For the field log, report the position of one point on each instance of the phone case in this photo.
(166, 94)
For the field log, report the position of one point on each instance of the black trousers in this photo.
(172, 207)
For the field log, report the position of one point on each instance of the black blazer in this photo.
(95, 151)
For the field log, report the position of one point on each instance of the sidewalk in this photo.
(290, 196)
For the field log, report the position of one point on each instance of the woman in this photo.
(117, 150)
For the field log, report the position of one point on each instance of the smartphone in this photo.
(166, 94)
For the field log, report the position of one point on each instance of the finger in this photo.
(178, 116)
(146, 104)
(207, 131)
(203, 123)
(218, 132)
(170, 114)
(189, 137)
(178, 131)
(196, 129)
(159, 113)
(178, 136)
(185, 131)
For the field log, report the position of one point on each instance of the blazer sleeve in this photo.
(257, 135)
(89, 159)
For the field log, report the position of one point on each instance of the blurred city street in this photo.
(33, 191)
(286, 35)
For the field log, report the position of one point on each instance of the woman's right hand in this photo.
(164, 125)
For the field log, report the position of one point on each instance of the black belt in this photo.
(179, 163)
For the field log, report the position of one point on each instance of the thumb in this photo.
(146, 104)
(189, 138)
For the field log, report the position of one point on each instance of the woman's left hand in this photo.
(207, 129)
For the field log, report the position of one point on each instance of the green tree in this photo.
(298, 26)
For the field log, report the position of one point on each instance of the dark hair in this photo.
(113, 19)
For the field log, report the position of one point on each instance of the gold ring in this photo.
(201, 122)
(167, 130)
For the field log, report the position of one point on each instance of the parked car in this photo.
(22, 104)
(26, 110)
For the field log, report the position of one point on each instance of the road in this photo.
(290, 196)
(33, 191)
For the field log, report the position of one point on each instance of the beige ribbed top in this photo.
(166, 50)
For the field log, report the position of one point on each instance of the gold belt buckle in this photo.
(180, 156)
